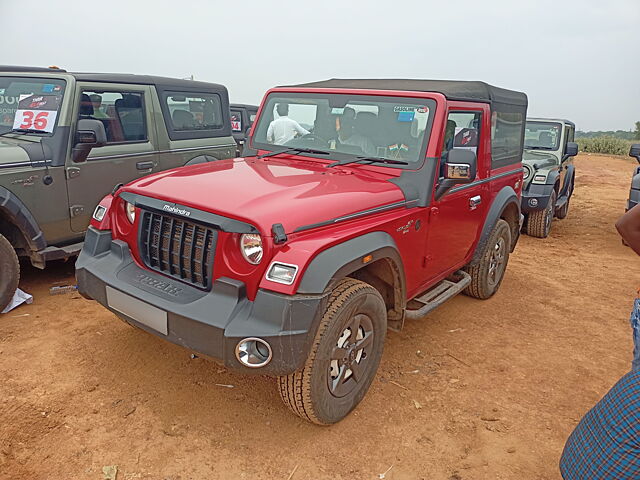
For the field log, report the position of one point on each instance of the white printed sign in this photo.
(43, 120)
(35, 112)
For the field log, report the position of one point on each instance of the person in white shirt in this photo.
(284, 129)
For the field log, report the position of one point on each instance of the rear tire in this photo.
(9, 272)
(539, 222)
(344, 356)
(487, 274)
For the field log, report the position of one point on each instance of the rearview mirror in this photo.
(89, 133)
(634, 151)
(459, 168)
(571, 150)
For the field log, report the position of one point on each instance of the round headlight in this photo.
(526, 172)
(251, 247)
(131, 211)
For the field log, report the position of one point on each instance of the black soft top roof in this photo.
(472, 91)
(166, 83)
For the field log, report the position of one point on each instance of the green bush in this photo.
(604, 145)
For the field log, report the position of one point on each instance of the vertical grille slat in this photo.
(178, 248)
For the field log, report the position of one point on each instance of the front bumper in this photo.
(211, 323)
(535, 197)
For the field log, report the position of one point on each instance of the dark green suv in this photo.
(67, 138)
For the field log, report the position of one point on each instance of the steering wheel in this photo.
(310, 139)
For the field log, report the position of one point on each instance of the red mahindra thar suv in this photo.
(362, 204)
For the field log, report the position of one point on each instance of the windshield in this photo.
(542, 135)
(347, 125)
(30, 104)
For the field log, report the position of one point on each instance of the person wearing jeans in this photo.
(606, 443)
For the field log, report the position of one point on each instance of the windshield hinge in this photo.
(279, 235)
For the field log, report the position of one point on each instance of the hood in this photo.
(262, 192)
(539, 159)
(10, 152)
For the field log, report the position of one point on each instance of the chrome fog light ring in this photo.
(253, 352)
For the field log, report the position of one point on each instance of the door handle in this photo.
(474, 202)
(145, 165)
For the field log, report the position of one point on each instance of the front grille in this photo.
(178, 248)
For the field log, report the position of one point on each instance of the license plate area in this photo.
(138, 310)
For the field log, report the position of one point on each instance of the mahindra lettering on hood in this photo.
(363, 204)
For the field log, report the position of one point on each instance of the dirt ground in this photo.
(476, 390)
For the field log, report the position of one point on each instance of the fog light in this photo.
(282, 273)
(253, 352)
(540, 178)
(533, 202)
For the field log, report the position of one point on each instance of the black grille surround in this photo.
(177, 247)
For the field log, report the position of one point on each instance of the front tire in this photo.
(487, 274)
(344, 356)
(9, 272)
(539, 222)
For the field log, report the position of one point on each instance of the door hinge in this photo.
(76, 210)
(73, 172)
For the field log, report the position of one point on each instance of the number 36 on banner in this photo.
(42, 120)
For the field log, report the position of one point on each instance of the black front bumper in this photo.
(535, 197)
(211, 323)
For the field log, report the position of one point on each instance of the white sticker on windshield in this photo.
(37, 112)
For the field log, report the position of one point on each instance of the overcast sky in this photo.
(574, 58)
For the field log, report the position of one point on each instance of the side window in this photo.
(252, 117)
(194, 111)
(236, 121)
(568, 136)
(121, 113)
(462, 132)
(506, 138)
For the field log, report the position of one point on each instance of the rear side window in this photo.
(193, 111)
(121, 113)
(506, 138)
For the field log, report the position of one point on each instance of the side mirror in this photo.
(460, 168)
(571, 150)
(634, 151)
(89, 133)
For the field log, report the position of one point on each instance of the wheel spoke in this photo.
(364, 342)
(337, 382)
(354, 326)
(339, 353)
(357, 371)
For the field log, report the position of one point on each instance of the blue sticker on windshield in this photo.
(406, 116)
(47, 88)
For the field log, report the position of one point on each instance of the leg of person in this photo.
(606, 443)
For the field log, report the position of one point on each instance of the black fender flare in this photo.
(20, 216)
(553, 178)
(506, 197)
(337, 262)
(201, 159)
(568, 181)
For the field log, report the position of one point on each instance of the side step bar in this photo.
(439, 294)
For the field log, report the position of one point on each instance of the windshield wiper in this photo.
(361, 158)
(294, 150)
(22, 130)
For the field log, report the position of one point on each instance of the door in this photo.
(457, 217)
(130, 152)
